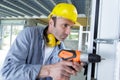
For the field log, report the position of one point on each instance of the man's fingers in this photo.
(67, 63)
(77, 66)
(65, 73)
(69, 69)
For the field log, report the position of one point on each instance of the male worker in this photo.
(34, 53)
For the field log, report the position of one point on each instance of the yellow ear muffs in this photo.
(52, 41)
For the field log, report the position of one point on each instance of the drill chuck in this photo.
(94, 58)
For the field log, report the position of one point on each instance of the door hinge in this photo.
(106, 41)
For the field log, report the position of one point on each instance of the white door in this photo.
(105, 31)
(107, 40)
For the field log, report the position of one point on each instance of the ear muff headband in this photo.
(52, 41)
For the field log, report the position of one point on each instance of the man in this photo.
(34, 53)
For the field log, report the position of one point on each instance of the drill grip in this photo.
(70, 55)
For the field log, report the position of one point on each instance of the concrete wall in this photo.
(71, 44)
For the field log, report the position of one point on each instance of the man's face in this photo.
(62, 28)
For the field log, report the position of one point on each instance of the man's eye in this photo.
(66, 25)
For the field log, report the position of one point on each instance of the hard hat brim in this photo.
(77, 24)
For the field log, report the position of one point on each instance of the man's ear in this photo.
(51, 23)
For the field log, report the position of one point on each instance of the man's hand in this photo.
(60, 70)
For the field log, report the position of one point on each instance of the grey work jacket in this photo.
(25, 57)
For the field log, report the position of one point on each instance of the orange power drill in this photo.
(77, 56)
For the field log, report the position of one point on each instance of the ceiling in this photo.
(11, 9)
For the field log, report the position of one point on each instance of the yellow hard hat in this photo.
(65, 10)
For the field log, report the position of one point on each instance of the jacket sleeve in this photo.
(15, 67)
